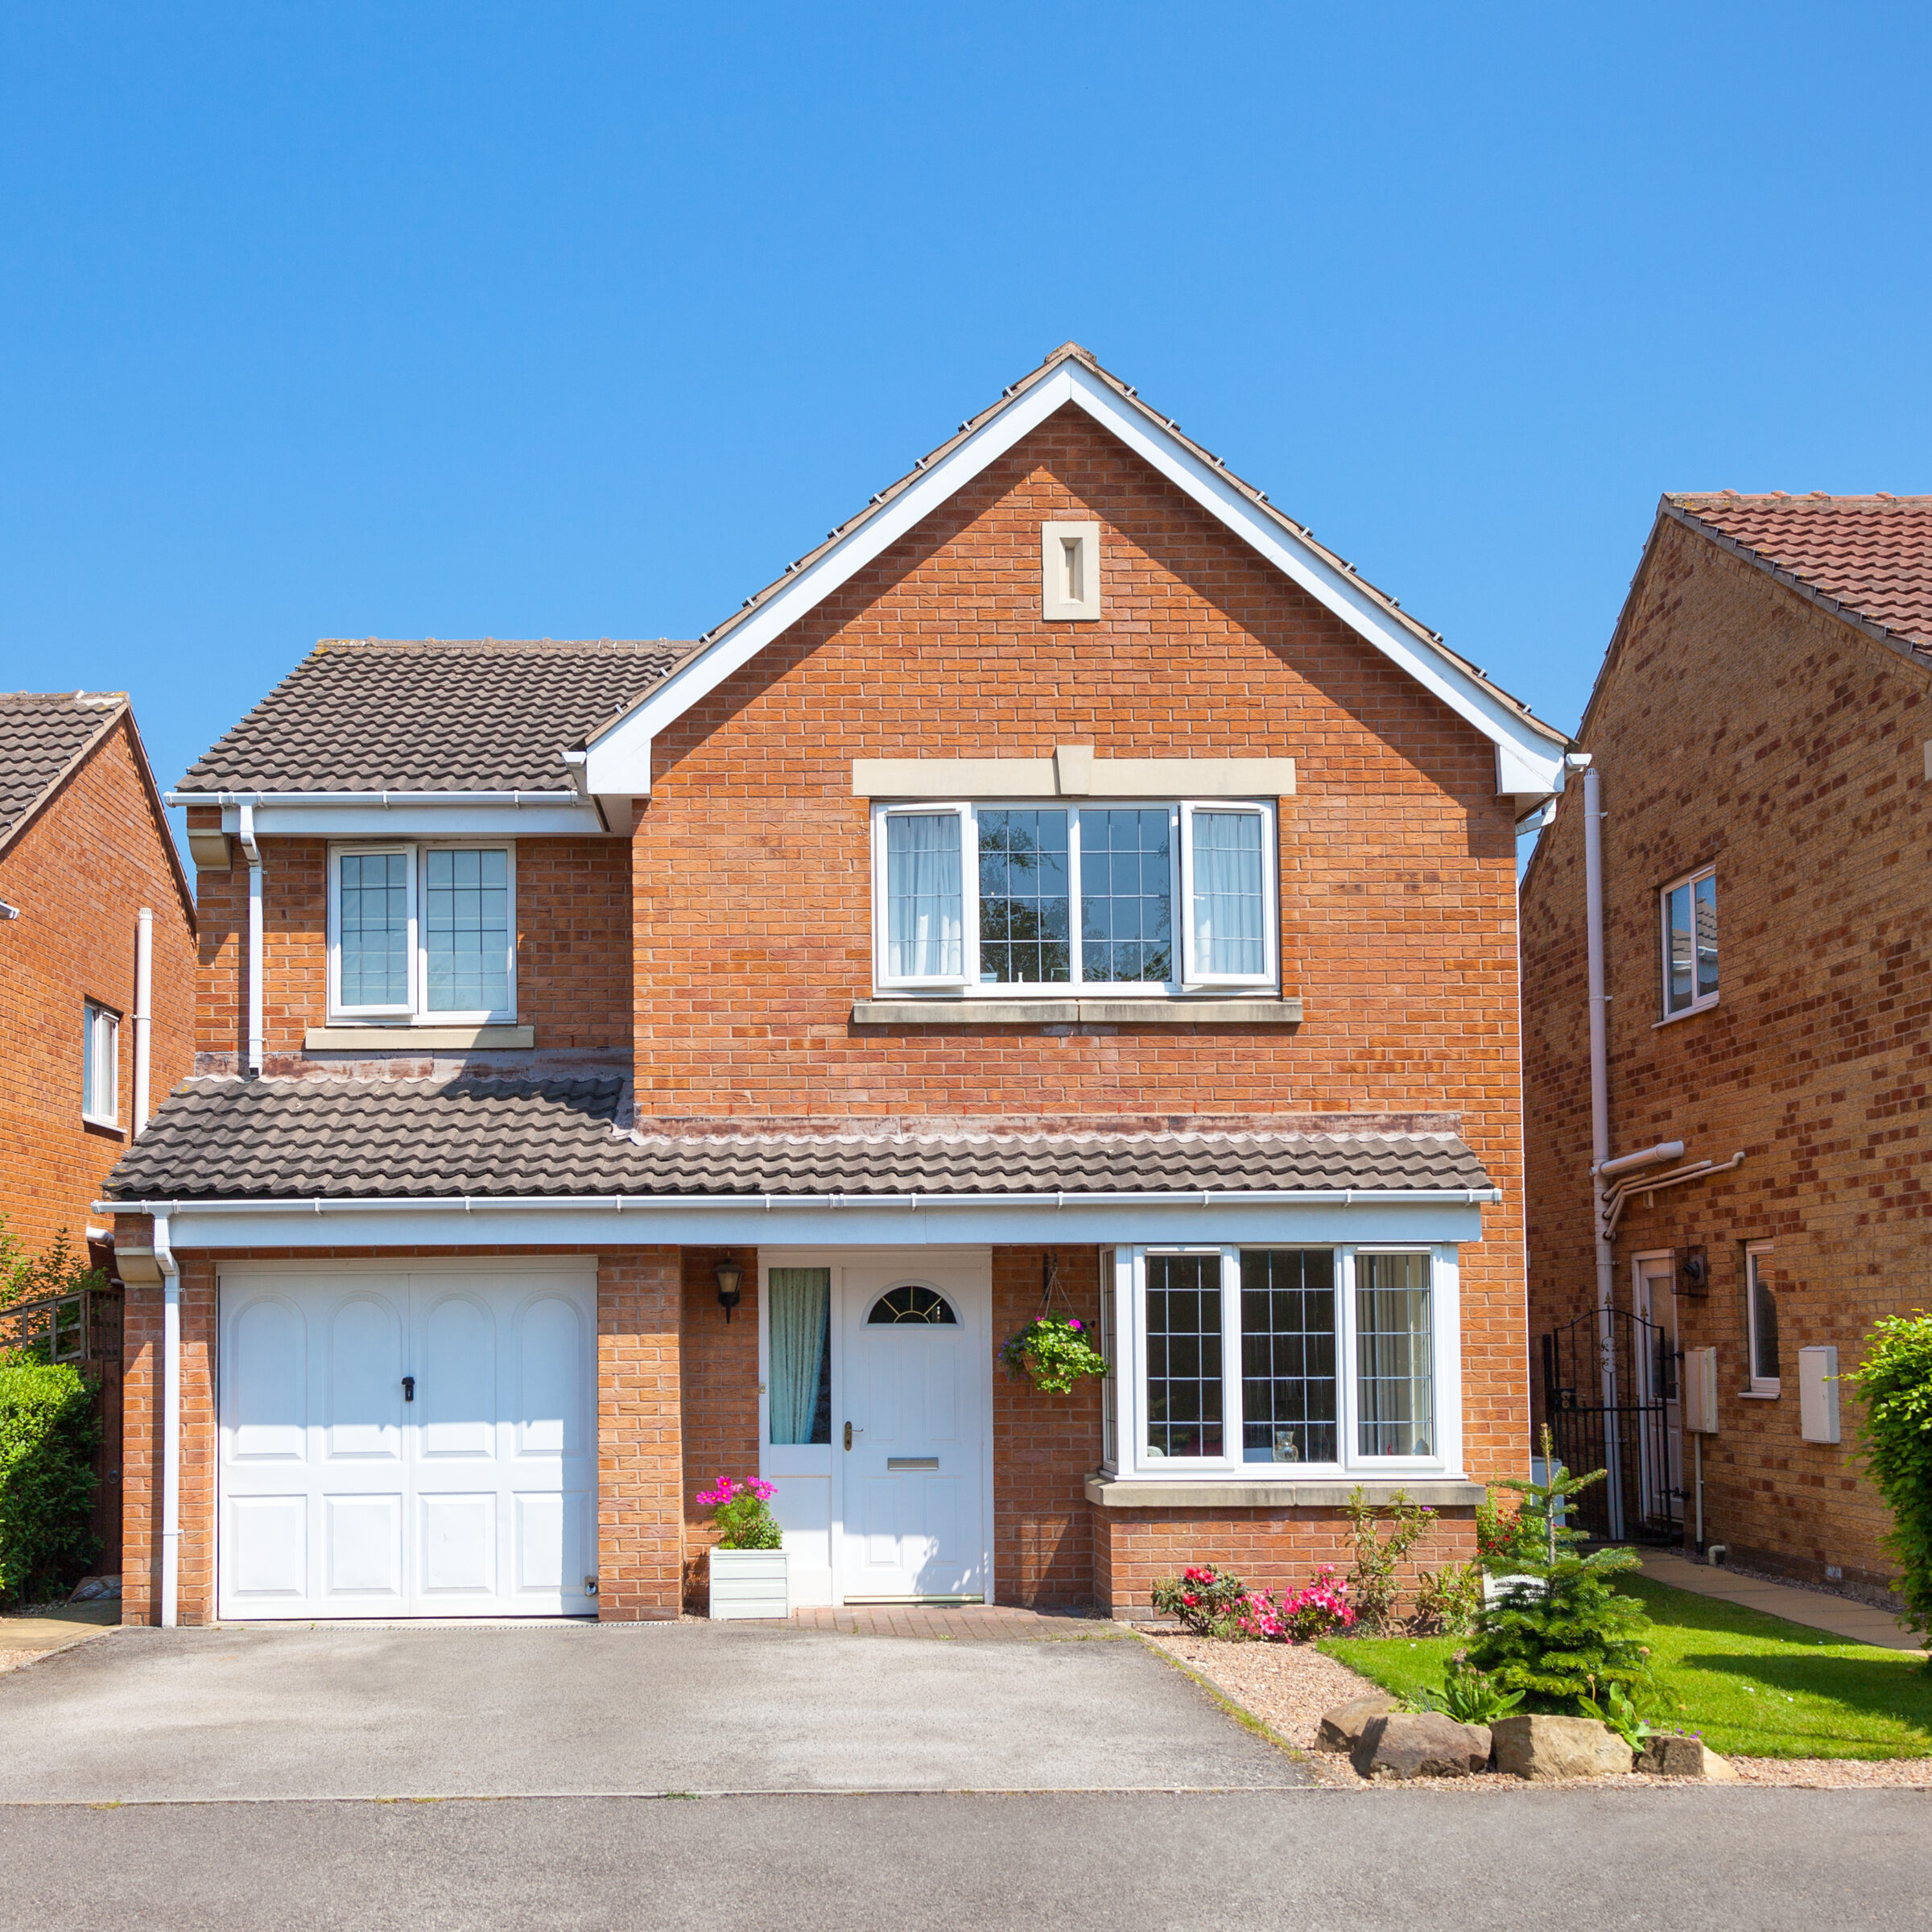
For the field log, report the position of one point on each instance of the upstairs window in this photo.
(1690, 942)
(423, 933)
(1154, 897)
(100, 1065)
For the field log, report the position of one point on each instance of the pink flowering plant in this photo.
(1052, 1353)
(1216, 1603)
(742, 1510)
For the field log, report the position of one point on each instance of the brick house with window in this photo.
(87, 865)
(1758, 736)
(620, 1064)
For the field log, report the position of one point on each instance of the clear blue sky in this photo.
(575, 320)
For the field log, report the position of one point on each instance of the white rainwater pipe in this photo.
(254, 853)
(171, 1425)
(1600, 1131)
(144, 1001)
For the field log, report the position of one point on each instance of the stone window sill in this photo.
(415, 1039)
(1332, 1492)
(1266, 1012)
(1690, 1013)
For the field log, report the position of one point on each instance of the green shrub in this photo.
(1566, 1639)
(1372, 1586)
(1448, 1601)
(1466, 1695)
(48, 1433)
(1894, 1382)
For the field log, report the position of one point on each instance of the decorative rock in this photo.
(1342, 1727)
(1540, 1748)
(1665, 1754)
(1419, 1744)
(1720, 1770)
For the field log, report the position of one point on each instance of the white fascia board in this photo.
(619, 762)
(860, 1224)
(402, 818)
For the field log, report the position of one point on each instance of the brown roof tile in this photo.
(233, 1139)
(42, 735)
(377, 715)
(1872, 554)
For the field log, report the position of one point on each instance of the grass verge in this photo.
(1754, 1685)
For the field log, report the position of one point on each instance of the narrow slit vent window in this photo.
(1070, 571)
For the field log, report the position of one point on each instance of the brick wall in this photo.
(640, 1451)
(1272, 1550)
(719, 1363)
(751, 861)
(1734, 721)
(573, 948)
(94, 856)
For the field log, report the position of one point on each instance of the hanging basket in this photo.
(1054, 1351)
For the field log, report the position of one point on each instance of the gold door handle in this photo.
(848, 1435)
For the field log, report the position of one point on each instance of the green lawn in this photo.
(1755, 1685)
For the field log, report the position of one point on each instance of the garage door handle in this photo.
(409, 1388)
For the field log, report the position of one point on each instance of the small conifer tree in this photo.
(1567, 1635)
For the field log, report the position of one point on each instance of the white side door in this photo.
(407, 1444)
(915, 1389)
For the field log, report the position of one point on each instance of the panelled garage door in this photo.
(407, 1443)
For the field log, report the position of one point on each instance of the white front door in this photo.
(915, 1392)
(407, 1442)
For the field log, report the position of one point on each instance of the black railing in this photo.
(1609, 1385)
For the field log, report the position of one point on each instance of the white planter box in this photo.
(750, 1583)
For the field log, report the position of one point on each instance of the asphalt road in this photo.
(1702, 1859)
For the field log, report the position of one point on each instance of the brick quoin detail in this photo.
(80, 872)
(1735, 721)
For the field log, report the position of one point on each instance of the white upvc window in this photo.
(1268, 1362)
(99, 1064)
(996, 899)
(1761, 1320)
(423, 932)
(1688, 911)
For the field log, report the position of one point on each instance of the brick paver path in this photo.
(995, 1622)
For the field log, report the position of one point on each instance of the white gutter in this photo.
(620, 1203)
(245, 799)
(254, 937)
(144, 999)
(1599, 1133)
(170, 1424)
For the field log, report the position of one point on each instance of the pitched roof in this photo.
(228, 1139)
(1869, 556)
(379, 715)
(43, 736)
(1071, 374)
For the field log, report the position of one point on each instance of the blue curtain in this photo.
(800, 1327)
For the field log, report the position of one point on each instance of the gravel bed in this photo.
(12, 1660)
(1289, 1686)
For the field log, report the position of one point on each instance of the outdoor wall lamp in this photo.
(730, 1275)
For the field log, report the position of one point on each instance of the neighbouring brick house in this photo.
(84, 847)
(1069, 878)
(1759, 732)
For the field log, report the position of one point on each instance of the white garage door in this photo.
(407, 1443)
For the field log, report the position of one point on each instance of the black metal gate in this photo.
(1609, 1382)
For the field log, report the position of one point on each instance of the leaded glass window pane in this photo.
(1183, 1354)
(1126, 895)
(466, 930)
(373, 889)
(1288, 1388)
(1024, 909)
(1395, 1386)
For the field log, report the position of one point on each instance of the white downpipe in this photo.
(254, 937)
(1600, 1131)
(144, 999)
(171, 1425)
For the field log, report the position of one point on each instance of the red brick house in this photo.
(621, 1064)
(1759, 741)
(87, 866)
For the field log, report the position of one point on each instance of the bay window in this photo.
(424, 933)
(990, 899)
(1265, 1361)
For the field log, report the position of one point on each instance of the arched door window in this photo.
(911, 1303)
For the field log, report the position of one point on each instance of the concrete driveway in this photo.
(600, 1710)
